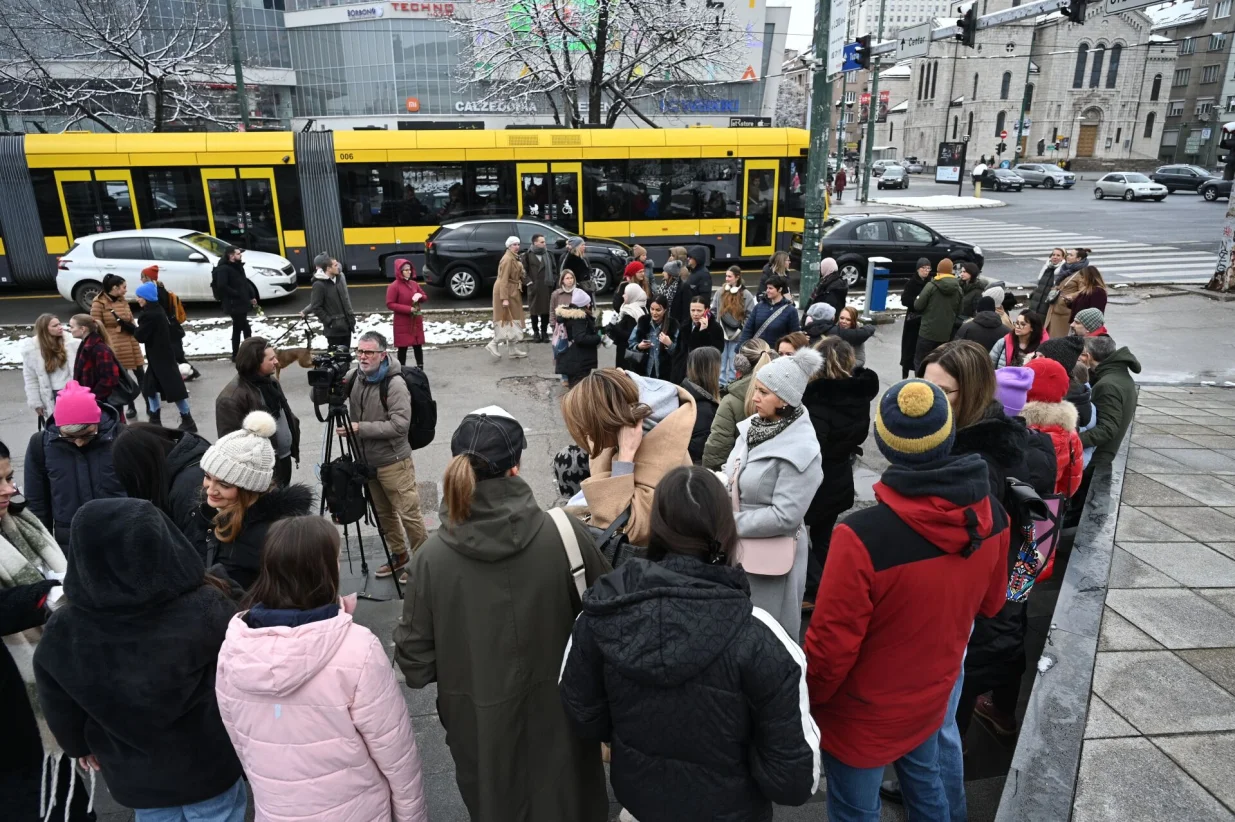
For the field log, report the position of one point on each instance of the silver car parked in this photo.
(1129, 185)
(1047, 175)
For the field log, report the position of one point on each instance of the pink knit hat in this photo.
(76, 405)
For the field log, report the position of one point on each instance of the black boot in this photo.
(187, 424)
(156, 417)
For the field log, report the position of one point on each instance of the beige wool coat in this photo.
(126, 347)
(1059, 313)
(509, 287)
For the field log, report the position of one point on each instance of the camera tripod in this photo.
(337, 417)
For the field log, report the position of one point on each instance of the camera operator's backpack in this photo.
(343, 485)
(424, 408)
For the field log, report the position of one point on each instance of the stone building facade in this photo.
(1200, 92)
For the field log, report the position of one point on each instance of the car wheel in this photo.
(1049, 183)
(85, 292)
(1170, 190)
(851, 272)
(1098, 194)
(462, 282)
(1129, 196)
(601, 279)
(1159, 198)
(1210, 194)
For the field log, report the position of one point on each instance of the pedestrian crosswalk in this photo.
(1118, 260)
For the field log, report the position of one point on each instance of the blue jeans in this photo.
(952, 757)
(228, 806)
(853, 793)
(153, 402)
(726, 361)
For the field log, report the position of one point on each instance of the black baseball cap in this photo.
(491, 435)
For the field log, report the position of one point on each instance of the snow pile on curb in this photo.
(940, 202)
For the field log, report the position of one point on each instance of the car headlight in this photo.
(269, 272)
(619, 252)
(978, 250)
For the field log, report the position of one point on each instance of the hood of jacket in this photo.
(988, 319)
(947, 284)
(860, 387)
(659, 395)
(279, 659)
(947, 502)
(127, 555)
(503, 521)
(975, 284)
(1062, 415)
(797, 444)
(700, 253)
(109, 427)
(698, 393)
(737, 389)
(567, 312)
(662, 623)
(318, 274)
(186, 453)
(1121, 360)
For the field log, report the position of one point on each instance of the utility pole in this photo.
(817, 159)
(236, 64)
(1021, 131)
(872, 111)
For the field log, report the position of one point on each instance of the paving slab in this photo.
(1216, 663)
(1207, 758)
(1202, 488)
(1176, 617)
(1224, 598)
(1148, 461)
(1159, 693)
(1104, 723)
(1137, 526)
(1181, 428)
(1130, 780)
(1211, 440)
(1118, 634)
(1227, 548)
(1129, 572)
(1161, 441)
(1191, 563)
(1203, 460)
(1140, 489)
(1198, 523)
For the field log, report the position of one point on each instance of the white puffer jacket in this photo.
(41, 386)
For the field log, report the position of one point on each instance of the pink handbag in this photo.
(768, 556)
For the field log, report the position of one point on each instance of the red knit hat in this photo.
(633, 269)
(151, 273)
(1050, 381)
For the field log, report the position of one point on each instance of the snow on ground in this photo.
(940, 202)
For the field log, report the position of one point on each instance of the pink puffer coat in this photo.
(319, 722)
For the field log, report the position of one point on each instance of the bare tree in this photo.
(594, 60)
(114, 63)
(790, 104)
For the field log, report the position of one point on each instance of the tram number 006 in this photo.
(346, 155)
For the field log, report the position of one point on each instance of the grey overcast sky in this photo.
(801, 22)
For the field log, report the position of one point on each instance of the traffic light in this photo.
(967, 27)
(1076, 11)
(1001, 148)
(863, 55)
(1041, 147)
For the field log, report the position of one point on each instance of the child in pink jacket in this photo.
(309, 697)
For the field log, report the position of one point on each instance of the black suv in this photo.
(1181, 177)
(1215, 187)
(851, 239)
(462, 256)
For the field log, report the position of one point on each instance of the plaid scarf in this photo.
(762, 430)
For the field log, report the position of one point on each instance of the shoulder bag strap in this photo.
(733, 488)
(769, 320)
(571, 543)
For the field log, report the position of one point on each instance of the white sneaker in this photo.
(516, 354)
(492, 349)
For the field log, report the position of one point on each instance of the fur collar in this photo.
(568, 312)
(1045, 414)
(279, 503)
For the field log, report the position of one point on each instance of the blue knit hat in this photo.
(148, 292)
(913, 423)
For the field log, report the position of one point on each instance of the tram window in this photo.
(652, 179)
(47, 200)
(609, 195)
(713, 186)
(428, 193)
(368, 195)
(170, 198)
(792, 197)
(490, 189)
(287, 186)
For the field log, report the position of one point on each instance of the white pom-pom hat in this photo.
(244, 458)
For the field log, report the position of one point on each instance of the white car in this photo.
(1129, 185)
(186, 261)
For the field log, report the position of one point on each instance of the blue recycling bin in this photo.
(879, 290)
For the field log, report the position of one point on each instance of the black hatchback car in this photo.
(1181, 177)
(852, 239)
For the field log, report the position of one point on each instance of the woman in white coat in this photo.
(779, 468)
(47, 363)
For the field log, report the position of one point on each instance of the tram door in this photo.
(550, 192)
(759, 208)
(244, 208)
(95, 201)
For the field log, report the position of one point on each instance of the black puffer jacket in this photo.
(840, 411)
(1010, 449)
(233, 287)
(185, 495)
(126, 669)
(240, 559)
(705, 412)
(702, 700)
(1080, 395)
(579, 359)
(986, 328)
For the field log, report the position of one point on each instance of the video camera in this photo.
(327, 374)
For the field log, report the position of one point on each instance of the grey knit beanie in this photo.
(786, 377)
(244, 458)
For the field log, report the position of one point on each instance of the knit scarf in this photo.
(29, 554)
(762, 430)
(272, 394)
(380, 373)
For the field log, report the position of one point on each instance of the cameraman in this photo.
(382, 433)
(330, 301)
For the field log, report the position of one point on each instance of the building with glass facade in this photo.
(395, 64)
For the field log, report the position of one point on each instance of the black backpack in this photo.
(343, 486)
(424, 408)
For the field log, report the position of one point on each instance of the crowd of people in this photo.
(172, 607)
